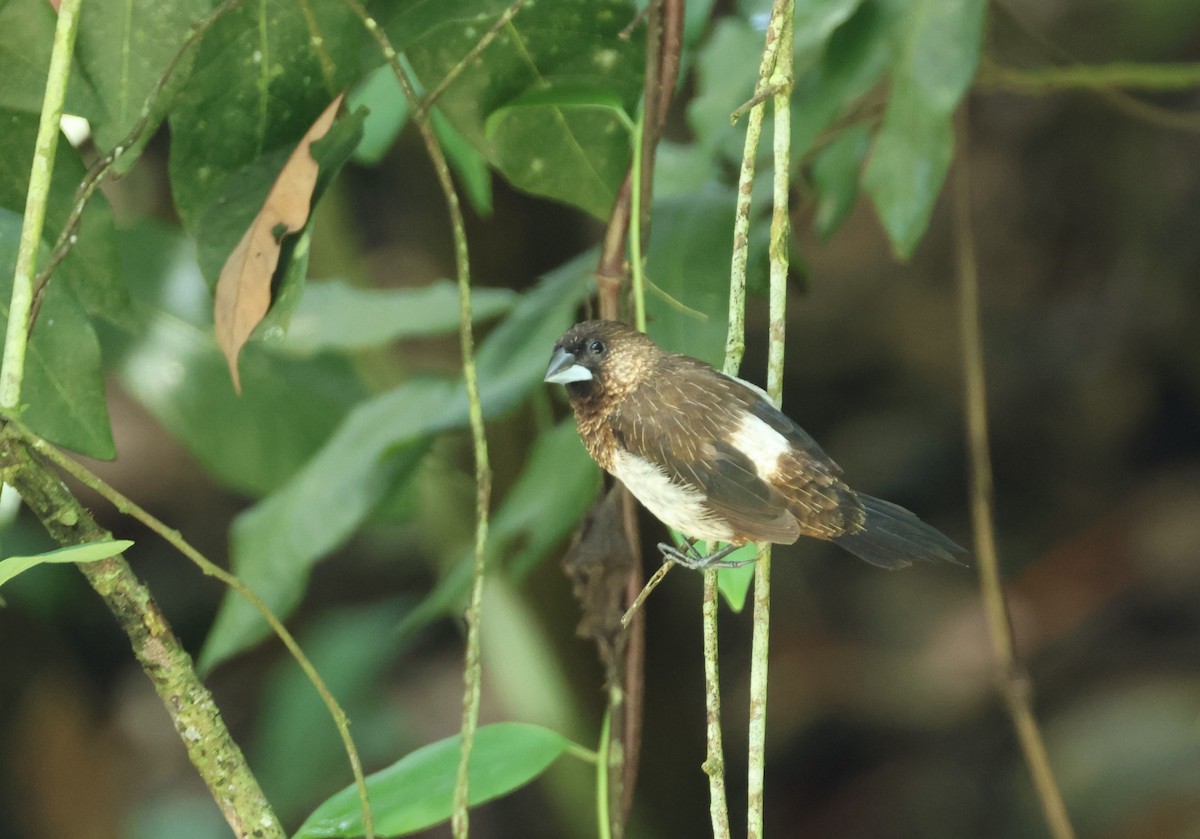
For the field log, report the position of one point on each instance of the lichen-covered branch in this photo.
(211, 749)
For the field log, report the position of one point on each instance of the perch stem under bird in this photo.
(711, 456)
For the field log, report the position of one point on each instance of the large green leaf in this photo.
(417, 791)
(691, 247)
(261, 76)
(334, 314)
(569, 51)
(91, 267)
(276, 543)
(936, 59)
(171, 364)
(561, 144)
(726, 70)
(854, 59)
(835, 174)
(26, 38)
(124, 47)
(63, 392)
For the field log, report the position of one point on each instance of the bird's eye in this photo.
(596, 348)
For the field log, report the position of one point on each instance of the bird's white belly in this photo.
(675, 504)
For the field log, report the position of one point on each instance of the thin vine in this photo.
(1014, 681)
(472, 670)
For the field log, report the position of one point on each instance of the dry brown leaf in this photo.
(243, 293)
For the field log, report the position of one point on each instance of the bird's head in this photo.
(601, 359)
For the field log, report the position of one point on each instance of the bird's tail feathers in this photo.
(893, 537)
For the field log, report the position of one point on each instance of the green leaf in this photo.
(88, 552)
(26, 38)
(691, 247)
(559, 477)
(853, 61)
(936, 60)
(571, 146)
(548, 49)
(816, 20)
(726, 70)
(387, 107)
(276, 543)
(681, 169)
(734, 583)
(334, 314)
(170, 363)
(262, 75)
(835, 174)
(417, 791)
(91, 266)
(124, 47)
(63, 388)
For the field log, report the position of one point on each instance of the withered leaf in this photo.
(243, 293)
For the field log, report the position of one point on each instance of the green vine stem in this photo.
(126, 506)
(714, 756)
(780, 82)
(16, 340)
(210, 748)
(774, 83)
(1128, 76)
(472, 670)
(1014, 681)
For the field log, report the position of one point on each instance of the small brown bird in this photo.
(711, 456)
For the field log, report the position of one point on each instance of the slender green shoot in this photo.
(16, 340)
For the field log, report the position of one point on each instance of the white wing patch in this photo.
(761, 443)
(675, 504)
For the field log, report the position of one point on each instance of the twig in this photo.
(1158, 77)
(651, 585)
(778, 255)
(129, 507)
(21, 303)
(102, 167)
(1014, 681)
(760, 96)
(735, 348)
(714, 758)
(472, 671)
(210, 748)
(502, 21)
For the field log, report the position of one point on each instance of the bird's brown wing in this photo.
(695, 410)
(807, 477)
(681, 424)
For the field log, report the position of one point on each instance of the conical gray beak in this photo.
(563, 369)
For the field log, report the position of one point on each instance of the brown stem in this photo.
(1014, 682)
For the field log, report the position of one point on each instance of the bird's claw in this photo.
(689, 557)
